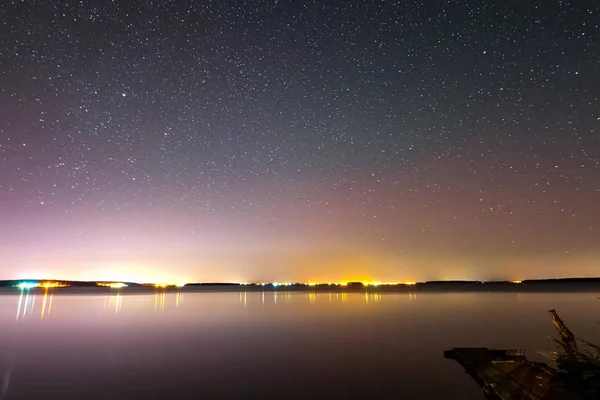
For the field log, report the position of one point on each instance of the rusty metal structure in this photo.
(508, 375)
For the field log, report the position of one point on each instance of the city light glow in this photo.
(114, 285)
(277, 284)
(341, 283)
(335, 161)
(27, 285)
(163, 285)
(49, 285)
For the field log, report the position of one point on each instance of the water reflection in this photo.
(160, 300)
(358, 344)
(113, 303)
(47, 300)
(26, 305)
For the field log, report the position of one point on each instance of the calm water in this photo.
(271, 345)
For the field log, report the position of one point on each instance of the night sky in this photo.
(292, 140)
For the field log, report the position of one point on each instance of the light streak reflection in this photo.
(44, 304)
(19, 305)
(119, 302)
(26, 304)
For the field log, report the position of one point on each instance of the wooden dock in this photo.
(508, 375)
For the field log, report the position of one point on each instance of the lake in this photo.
(278, 345)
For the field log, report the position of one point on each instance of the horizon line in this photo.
(309, 283)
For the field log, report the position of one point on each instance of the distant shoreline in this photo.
(528, 286)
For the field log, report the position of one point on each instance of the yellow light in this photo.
(409, 283)
(371, 283)
(163, 285)
(517, 281)
(48, 285)
(114, 285)
(44, 304)
(117, 285)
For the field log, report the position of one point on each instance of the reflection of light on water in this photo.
(160, 300)
(119, 303)
(372, 297)
(19, 305)
(118, 300)
(26, 305)
(44, 304)
(412, 296)
(6, 382)
(113, 302)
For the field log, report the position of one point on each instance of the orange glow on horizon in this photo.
(162, 285)
(49, 285)
(310, 283)
(362, 281)
(114, 285)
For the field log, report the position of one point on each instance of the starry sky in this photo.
(297, 140)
